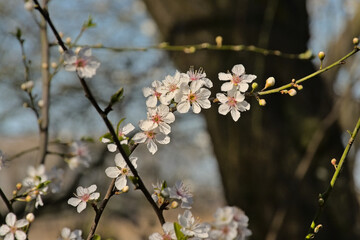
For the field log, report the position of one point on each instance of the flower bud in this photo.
(174, 204)
(321, 55)
(191, 49)
(355, 41)
(299, 87)
(18, 186)
(53, 64)
(29, 5)
(68, 40)
(125, 189)
(218, 41)
(317, 228)
(27, 85)
(292, 92)
(30, 217)
(28, 198)
(41, 103)
(269, 82)
(61, 50)
(262, 102)
(254, 86)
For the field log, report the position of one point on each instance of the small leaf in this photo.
(89, 23)
(87, 139)
(117, 96)
(96, 237)
(118, 126)
(43, 184)
(179, 234)
(106, 135)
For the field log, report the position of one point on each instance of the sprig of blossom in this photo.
(13, 228)
(169, 233)
(233, 102)
(161, 192)
(80, 155)
(238, 79)
(159, 117)
(37, 183)
(121, 171)
(171, 86)
(82, 196)
(82, 62)
(199, 75)
(67, 234)
(181, 192)
(122, 132)
(193, 228)
(152, 93)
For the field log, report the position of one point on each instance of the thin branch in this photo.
(6, 201)
(325, 196)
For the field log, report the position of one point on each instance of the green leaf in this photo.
(106, 135)
(96, 237)
(43, 184)
(87, 139)
(118, 126)
(179, 234)
(126, 149)
(89, 23)
(116, 97)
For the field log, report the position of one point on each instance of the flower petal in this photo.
(112, 172)
(74, 201)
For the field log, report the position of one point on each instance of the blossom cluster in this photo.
(13, 228)
(166, 195)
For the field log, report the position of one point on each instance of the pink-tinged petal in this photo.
(121, 182)
(9, 236)
(4, 229)
(94, 196)
(224, 109)
(243, 87)
(133, 161)
(92, 188)
(10, 219)
(112, 172)
(139, 137)
(239, 97)
(152, 147)
(119, 160)
(183, 107)
(226, 86)
(238, 69)
(169, 118)
(235, 114)
(20, 235)
(205, 104)
(224, 76)
(221, 97)
(74, 201)
(155, 236)
(196, 107)
(111, 147)
(81, 207)
(128, 128)
(162, 138)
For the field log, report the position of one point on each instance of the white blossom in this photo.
(67, 234)
(82, 196)
(35, 176)
(121, 171)
(171, 86)
(158, 117)
(169, 233)
(199, 76)
(80, 155)
(182, 192)
(238, 79)
(192, 228)
(150, 138)
(122, 137)
(160, 192)
(194, 96)
(152, 94)
(82, 62)
(233, 103)
(12, 228)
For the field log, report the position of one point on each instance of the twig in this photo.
(6, 201)
(325, 196)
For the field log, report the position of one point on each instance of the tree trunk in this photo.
(259, 154)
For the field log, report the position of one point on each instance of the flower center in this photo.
(156, 118)
(124, 171)
(236, 80)
(150, 134)
(166, 237)
(192, 97)
(231, 101)
(85, 197)
(157, 94)
(13, 229)
(80, 63)
(172, 87)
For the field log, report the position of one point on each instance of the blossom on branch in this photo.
(233, 103)
(169, 233)
(171, 86)
(82, 62)
(181, 192)
(152, 93)
(121, 135)
(192, 228)
(238, 79)
(80, 155)
(199, 76)
(82, 196)
(158, 117)
(121, 171)
(67, 234)
(12, 228)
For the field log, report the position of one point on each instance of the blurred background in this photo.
(272, 163)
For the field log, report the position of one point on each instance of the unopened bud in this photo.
(174, 204)
(292, 92)
(333, 162)
(25, 105)
(61, 50)
(30, 217)
(29, 5)
(321, 55)
(44, 65)
(28, 198)
(68, 40)
(254, 86)
(27, 85)
(61, 34)
(355, 41)
(262, 102)
(269, 82)
(18, 186)
(53, 64)
(299, 87)
(317, 228)
(125, 189)
(191, 49)
(218, 41)
(41, 103)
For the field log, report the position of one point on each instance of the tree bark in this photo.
(259, 154)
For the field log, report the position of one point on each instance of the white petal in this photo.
(10, 219)
(152, 147)
(94, 196)
(238, 69)
(92, 188)
(111, 147)
(235, 114)
(224, 109)
(112, 172)
(151, 101)
(148, 125)
(221, 97)
(139, 137)
(119, 160)
(65, 232)
(4, 229)
(226, 86)
(196, 85)
(243, 87)
(127, 128)
(9, 236)
(204, 103)
(105, 140)
(133, 161)
(80, 191)
(20, 235)
(183, 107)
(196, 107)
(225, 76)
(121, 182)
(248, 78)
(74, 201)
(81, 207)
(164, 128)
(162, 138)
(147, 91)
(86, 51)
(169, 118)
